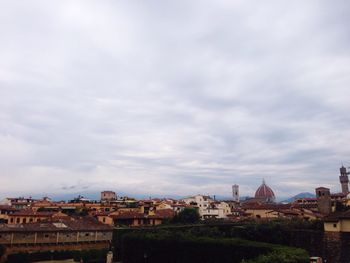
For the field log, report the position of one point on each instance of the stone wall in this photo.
(337, 247)
(54, 237)
(57, 247)
(334, 247)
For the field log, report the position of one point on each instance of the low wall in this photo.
(55, 247)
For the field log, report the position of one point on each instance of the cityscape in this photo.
(31, 225)
(187, 131)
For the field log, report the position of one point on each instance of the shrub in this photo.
(89, 256)
(166, 246)
(187, 216)
(285, 255)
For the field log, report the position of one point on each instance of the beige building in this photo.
(32, 216)
(57, 232)
(108, 196)
(5, 211)
(107, 217)
(271, 211)
(137, 219)
(337, 222)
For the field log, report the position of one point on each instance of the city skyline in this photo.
(173, 97)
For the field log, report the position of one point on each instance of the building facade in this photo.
(208, 207)
(58, 232)
(108, 196)
(344, 180)
(235, 193)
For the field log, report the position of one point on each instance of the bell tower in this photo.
(324, 203)
(235, 193)
(344, 180)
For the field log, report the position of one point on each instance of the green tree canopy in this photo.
(187, 216)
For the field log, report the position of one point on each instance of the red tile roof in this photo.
(81, 224)
(7, 208)
(29, 212)
(129, 215)
(336, 216)
(163, 213)
(257, 206)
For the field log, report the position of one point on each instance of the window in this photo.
(87, 234)
(46, 235)
(17, 220)
(24, 220)
(334, 225)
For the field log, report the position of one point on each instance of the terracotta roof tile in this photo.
(85, 224)
(164, 213)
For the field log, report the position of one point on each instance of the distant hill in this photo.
(301, 195)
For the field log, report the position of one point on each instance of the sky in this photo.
(163, 98)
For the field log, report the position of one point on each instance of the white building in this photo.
(208, 207)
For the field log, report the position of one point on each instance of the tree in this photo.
(2, 251)
(187, 216)
(81, 211)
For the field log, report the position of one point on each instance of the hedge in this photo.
(88, 256)
(164, 246)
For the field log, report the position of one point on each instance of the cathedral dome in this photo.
(264, 192)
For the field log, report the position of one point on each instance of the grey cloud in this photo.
(187, 97)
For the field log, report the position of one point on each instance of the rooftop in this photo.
(86, 224)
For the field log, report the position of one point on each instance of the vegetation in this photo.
(165, 246)
(283, 256)
(298, 233)
(88, 256)
(2, 251)
(81, 211)
(186, 216)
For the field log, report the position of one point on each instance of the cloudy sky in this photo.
(173, 97)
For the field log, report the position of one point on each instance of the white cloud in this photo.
(165, 97)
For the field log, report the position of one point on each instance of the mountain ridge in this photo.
(297, 196)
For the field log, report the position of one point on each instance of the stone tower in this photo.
(324, 203)
(235, 192)
(344, 180)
